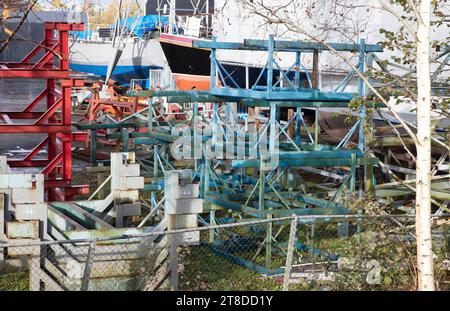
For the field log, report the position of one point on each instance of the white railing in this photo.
(161, 79)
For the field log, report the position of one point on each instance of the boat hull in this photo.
(183, 58)
(138, 57)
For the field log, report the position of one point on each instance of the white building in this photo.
(237, 20)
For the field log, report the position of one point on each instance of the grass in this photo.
(14, 281)
(203, 270)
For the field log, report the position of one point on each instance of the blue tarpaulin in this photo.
(140, 26)
(145, 23)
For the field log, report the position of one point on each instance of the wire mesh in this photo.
(327, 253)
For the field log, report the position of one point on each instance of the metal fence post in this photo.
(212, 222)
(88, 266)
(290, 253)
(313, 235)
(174, 240)
(269, 240)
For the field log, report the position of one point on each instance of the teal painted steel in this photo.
(302, 96)
(325, 207)
(308, 162)
(295, 104)
(298, 46)
(288, 46)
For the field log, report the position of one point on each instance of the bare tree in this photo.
(423, 165)
(24, 10)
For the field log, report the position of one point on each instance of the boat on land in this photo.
(128, 55)
(129, 49)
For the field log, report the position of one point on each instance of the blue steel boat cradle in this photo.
(268, 191)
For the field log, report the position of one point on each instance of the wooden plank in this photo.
(75, 212)
(61, 221)
(162, 273)
(50, 284)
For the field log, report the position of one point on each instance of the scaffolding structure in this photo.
(49, 61)
(220, 156)
(248, 182)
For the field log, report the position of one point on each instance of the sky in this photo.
(101, 1)
(104, 2)
(69, 2)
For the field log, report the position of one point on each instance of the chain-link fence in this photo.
(291, 253)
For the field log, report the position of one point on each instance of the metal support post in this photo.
(262, 182)
(315, 85)
(291, 179)
(362, 115)
(273, 134)
(212, 79)
(353, 173)
(217, 153)
(150, 115)
(202, 173)
(206, 179)
(155, 173)
(88, 265)
(155, 162)
(297, 69)
(316, 128)
(368, 169)
(298, 133)
(362, 93)
(290, 252)
(198, 144)
(269, 240)
(228, 113)
(212, 222)
(270, 65)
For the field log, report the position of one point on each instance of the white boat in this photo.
(126, 50)
(138, 57)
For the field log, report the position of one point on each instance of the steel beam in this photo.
(299, 46)
(55, 121)
(30, 128)
(305, 96)
(286, 46)
(308, 162)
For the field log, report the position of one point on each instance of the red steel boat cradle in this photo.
(49, 60)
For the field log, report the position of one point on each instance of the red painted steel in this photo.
(53, 66)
